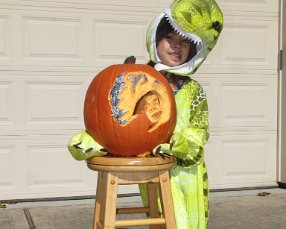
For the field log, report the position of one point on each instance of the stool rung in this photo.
(139, 222)
(132, 210)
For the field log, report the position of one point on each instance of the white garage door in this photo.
(241, 81)
(50, 51)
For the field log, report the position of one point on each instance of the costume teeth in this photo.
(195, 39)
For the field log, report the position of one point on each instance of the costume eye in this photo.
(216, 25)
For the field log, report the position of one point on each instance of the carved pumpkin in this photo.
(129, 109)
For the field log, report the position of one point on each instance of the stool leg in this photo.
(100, 190)
(153, 203)
(167, 201)
(153, 200)
(110, 200)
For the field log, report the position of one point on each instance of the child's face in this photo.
(173, 50)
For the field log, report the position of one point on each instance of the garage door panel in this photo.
(116, 40)
(243, 159)
(12, 167)
(50, 165)
(7, 167)
(245, 45)
(5, 36)
(258, 5)
(127, 6)
(212, 158)
(247, 104)
(246, 158)
(53, 103)
(52, 39)
(42, 102)
(7, 101)
(240, 102)
(41, 166)
(59, 180)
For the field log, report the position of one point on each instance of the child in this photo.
(177, 51)
(189, 179)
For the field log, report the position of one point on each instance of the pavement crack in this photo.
(29, 218)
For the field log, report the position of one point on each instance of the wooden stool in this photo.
(114, 171)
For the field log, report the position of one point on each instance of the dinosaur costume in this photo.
(200, 21)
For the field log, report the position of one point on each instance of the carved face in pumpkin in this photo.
(129, 109)
(150, 103)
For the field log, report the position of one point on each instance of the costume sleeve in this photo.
(187, 144)
(82, 146)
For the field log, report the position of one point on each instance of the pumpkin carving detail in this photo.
(129, 109)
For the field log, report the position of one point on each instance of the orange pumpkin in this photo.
(129, 109)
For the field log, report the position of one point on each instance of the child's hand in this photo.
(177, 147)
(158, 151)
(82, 146)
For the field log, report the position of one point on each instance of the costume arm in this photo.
(82, 146)
(188, 143)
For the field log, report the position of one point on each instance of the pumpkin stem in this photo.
(130, 60)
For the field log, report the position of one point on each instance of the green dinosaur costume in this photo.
(200, 21)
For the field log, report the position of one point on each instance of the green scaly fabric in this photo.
(189, 180)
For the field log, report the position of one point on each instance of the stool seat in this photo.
(114, 171)
(131, 164)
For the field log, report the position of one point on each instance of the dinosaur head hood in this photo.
(200, 21)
